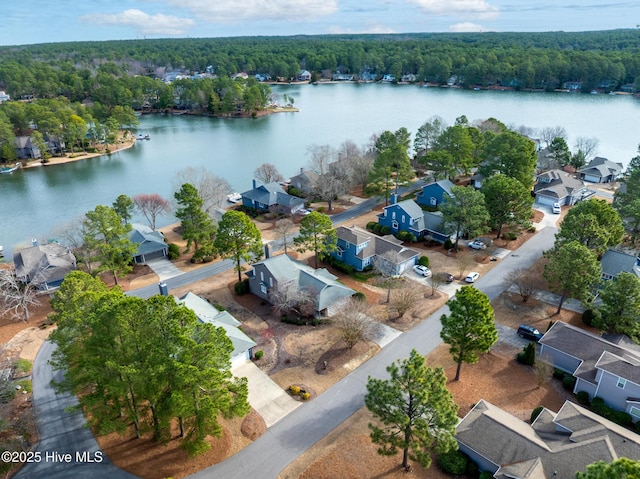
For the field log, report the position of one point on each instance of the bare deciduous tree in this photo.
(587, 146)
(437, 279)
(464, 260)
(283, 228)
(329, 186)
(267, 173)
(212, 189)
(549, 133)
(403, 299)
(353, 321)
(543, 368)
(321, 157)
(387, 265)
(72, 234)
(524, 282)
(16, 296)
(288, 299)
(151, 206)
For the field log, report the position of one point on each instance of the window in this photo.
(403, 219)
(433, 201)
(271, 282)
(393, 215)
(263, 288)
(621, 383)
(634, 411)
(262, 276)
(394, 224)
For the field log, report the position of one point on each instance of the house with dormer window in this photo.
(434, 193)
(408, 216)
(557, 186)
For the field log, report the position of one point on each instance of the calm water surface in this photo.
(36, 202)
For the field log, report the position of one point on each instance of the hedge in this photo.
(453, 462)
(535, 413)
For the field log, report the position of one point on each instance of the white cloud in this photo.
(144, 23)
(369, 28)
(467, 27)
(229, 11)
(479, 8)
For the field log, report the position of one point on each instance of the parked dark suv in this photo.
(529, 332)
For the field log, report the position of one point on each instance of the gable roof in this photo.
(207, 313)
(615, 262)
(555, 445)
(43, 264)
(271, 194)
(376, 245)
(325, 285)
(589, 348)
(148, 240)
(410, 207)
(557, 184)
(601, 167)
(433, 221)
(445, 185)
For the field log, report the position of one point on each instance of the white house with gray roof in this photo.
(557, 186)
(267, 275)
(207, 313)
(604, 366)
(601, 170)
(554, 445)
(615, 262)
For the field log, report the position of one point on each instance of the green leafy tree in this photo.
(622, 468)
(620, 307)
(508, 202)
(565, 260)
(511, 154)
(464, 212)
(238, 238)
(458, 143)
(392, 163)
(559, 151)
(427, 135)
(316, 234)
(470, 329)
(123, 205)
(593, 223)
(417, 412)
(105, 237)
(197, 228)
(38, 141)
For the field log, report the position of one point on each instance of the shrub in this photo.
(453, 462)
(535, 413)
(305, 395)
(259, 354)
(377, 228)
(637, 427)
(589, 316)
(527, 355)
(174, 251)
(448, 244)
(569, 382)
(472, 469)
(423, 261)
(23, 366)
(295, 390)
(582, 397)
(25, 385)
(292, 190)
(485, 475)
(360, 295)
(406, 236)
(371, 225)
(385, 230)
(558, 374)
(509, 235)
(241, 287)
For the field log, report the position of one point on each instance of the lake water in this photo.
(35, 202)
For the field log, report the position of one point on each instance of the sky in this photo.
(46, 21)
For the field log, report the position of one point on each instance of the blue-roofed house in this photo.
(615, 262)
(207, 313)
(359, 248)
(434, 193)
(408, 216)
(264, 197)
(151, 244)
(267, 275)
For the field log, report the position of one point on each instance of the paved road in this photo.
(296, 433)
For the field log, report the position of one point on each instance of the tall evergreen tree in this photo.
(197, 228)
(238, 238)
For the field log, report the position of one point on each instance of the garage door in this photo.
(545, 200)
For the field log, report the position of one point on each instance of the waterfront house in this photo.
(359, 248)
(282, 271)
(305, 180)
(207, 313)
(25, 149)
(151, 244)
(605, 366)
(271, 195)
(4, 96)
(555, 445)
(303, 75)
(408, 216)
(557, 186)
(44, 265)
(601, 170)
(434, 193)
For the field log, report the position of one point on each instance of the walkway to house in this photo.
(265, 396)
(164, 268)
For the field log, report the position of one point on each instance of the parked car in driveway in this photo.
(529, 332)
(477, 244)
(472, 277)
(556, 209)
(422, 270)
(444, 277)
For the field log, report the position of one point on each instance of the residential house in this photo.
(359, 248)
(207, 313)
(601, 170)
(554, 445)
(25, 148)
(44, 265)
(408, 78)
(615, 262)
(305, 180)
(338, 76)
(4, 96)
(278, 271)
(303, 75)
(262, 77)
(388, 78)
(151, 244)
(242, 75)
(271, 195)
(408, 216)
(434, 193)
(604, 366)
(557, 186)
(476, 180)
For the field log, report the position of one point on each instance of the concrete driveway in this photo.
(265, 396)
(164, 268)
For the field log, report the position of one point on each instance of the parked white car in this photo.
(477, 244)
(556, 209)
(472, 277)
(422, 270)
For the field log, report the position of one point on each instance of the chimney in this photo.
(267, 251)
(34, 242)
(164, 290)
(393, 198)
(254, 183)
(301, 170)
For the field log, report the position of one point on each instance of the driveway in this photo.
(164, 268)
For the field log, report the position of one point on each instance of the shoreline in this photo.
(61, 160)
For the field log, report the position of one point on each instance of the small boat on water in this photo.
(143, 137)
(1, 251)
(10, 169)
(234, 198)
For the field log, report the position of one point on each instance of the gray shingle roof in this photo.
(614, 262)
(47, 263)
(601, 167)
(271, 194)
(557, 184)
(377, 245)
(148, 240)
